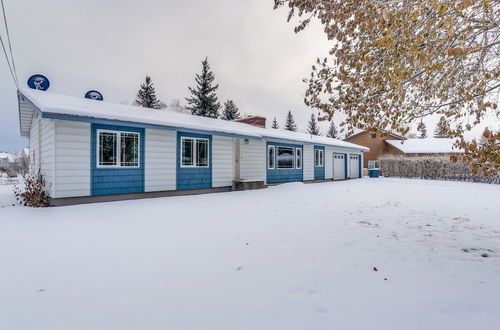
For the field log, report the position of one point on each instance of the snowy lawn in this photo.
(296, 256)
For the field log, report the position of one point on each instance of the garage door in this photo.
(354, 166)
(338, 167)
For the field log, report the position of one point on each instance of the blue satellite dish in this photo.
(39, 82)
(94, 95)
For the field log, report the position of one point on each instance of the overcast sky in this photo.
(111, 45)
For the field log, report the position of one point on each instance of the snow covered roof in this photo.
(50, 103)
(425, 146)
(7, 155)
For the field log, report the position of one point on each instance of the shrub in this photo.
(33, 192)
(433, 168)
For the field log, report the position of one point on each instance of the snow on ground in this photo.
(295, 256)
(6, 195)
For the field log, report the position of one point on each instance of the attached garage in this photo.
(354, 166)
(339, 166)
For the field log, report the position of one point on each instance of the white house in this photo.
(90, 150)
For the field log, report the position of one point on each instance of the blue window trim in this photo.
(116, 180)
(281, 175)
(319, 171)
(193, 177)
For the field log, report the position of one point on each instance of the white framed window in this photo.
(194, 152)
(117, 149)
(298, 158)
(271, 157)
(319, 160)
(285, 157)
(372, 164)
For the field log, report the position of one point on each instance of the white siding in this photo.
(222, 161)
(308, 162)
(252, 160)
(72, 155)
(47, 152)
(329, 162)
(160, 160)
(34, 146)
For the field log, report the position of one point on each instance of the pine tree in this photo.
(146, 96)
(203, 100)
(290, 122)
(312, 126)
(231, 111)
(442, 128)
(422, 129)
(275, 124)
(332, 131)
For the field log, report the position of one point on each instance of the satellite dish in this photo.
(94, 95)
(39, 82)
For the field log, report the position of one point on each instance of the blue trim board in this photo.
(193, 177)
(360, 167)
(277, 175)
(319, 171)
(109, 181)
(50, 115)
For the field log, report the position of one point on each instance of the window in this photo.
(111, 153)
(285, 157)
(271, 154)
(194, 152)
(129, 149)
(372, 164)
(373, 135)
(298, 158)
(187, 152)
(202, 152)
(318, 158)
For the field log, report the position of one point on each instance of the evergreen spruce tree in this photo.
(422, 129)
(146, 96)
(332, 131)
(290, 122)
(312, 126)
(203, 100)
(275, 124)
(442, 128)
(231, 111)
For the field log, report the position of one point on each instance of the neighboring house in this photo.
(90, 150)
(376, 143)
(7, 158)
(422, 147)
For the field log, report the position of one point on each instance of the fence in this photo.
(433, 168)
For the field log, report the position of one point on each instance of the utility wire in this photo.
(10, 46)
(8, 62)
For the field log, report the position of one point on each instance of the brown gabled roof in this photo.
(394, 135)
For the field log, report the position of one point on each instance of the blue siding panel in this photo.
(319, 171)
(193, 177)
(284, 175)
(111, 181)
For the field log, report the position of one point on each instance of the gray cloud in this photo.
(111, 45)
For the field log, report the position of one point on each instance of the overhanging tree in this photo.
(230, 111)
(394, 62)
(422, 129)
(146, 96)
(203, 100)
(312, 126)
